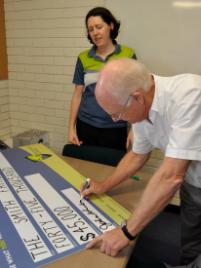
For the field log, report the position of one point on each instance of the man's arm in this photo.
(160, 189)
(130, 138)
(128, 166)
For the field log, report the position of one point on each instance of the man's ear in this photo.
(138, 96)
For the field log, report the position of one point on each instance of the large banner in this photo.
(41, 216)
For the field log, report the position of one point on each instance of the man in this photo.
(165, 113)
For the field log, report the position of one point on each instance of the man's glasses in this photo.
(117, 116)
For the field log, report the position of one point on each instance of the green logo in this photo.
(38, 157)
(3, 244)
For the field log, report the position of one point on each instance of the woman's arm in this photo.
(75, 104)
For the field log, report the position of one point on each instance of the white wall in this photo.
(4, 110)
(165, 33)
(44, 38)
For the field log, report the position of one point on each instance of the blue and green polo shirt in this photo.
(86, 72)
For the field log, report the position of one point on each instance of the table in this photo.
(127, 194)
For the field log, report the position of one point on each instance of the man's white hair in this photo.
(123, 76)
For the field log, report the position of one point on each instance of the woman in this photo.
(88, 123)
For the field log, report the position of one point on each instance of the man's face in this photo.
(132, 110)
(135, 111)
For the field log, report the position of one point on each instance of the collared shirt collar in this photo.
(158, 102)
(92, 51)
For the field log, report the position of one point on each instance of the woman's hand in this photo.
(73, 138)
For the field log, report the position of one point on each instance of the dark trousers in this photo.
(105, 137)
(146, 264)
(191, 222)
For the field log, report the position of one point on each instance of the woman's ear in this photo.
(112, 26)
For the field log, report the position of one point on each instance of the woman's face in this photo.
(99, 31)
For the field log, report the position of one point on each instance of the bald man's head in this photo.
(118, 79)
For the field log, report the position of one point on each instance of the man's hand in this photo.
(111, 242)
(95, 187)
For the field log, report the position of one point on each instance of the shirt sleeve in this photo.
(185, 134)
(78, 77)
(134, 56)
(141, 144)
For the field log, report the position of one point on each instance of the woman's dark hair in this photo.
(107, 17)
